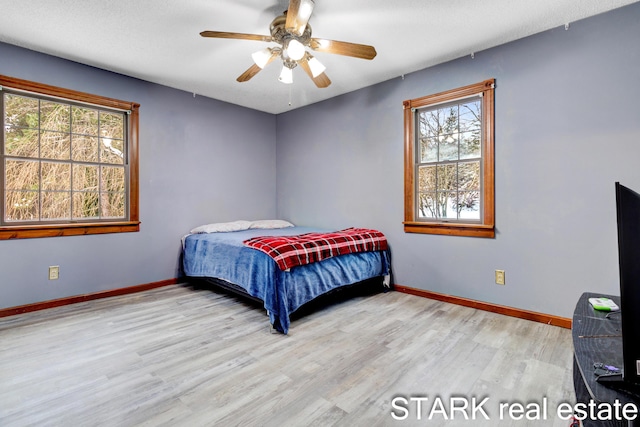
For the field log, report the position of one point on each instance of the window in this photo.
(449, 162)
(69, 162)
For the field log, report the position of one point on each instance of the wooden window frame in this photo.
(486, 226)
(132, 224)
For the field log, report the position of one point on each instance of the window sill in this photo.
(57, 230)
(450, 229)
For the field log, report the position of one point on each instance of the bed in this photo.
(225, 258)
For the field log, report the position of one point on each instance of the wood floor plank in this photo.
(177, 356)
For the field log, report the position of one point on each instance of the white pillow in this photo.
(271, 224)
(222, 227)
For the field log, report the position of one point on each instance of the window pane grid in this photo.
(449, 162)
(42, 154)
(449, 191)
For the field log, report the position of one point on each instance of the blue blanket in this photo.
(224, 256)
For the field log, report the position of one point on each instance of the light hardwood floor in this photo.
(176, 356)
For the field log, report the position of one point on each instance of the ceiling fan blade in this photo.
(321, 80)
(255, 69)
(247, 75)
(239, 36)
(298, 16)
(355, 50)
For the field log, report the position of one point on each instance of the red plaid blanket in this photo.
(291, 251)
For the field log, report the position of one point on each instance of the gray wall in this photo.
(567, 127)
(201, 161)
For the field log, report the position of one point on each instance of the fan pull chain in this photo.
(290, 95)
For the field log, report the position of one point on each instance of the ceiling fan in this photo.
(292, 32)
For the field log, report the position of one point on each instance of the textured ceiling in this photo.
(159, 41)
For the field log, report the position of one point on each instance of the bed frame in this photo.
(367, 287)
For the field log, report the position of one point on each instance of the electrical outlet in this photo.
(500, 277)
(54, 272)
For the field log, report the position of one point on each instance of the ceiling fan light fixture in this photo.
(316, 67)
(295, 50)
(292, 33)
(262, 57)
(286, 75)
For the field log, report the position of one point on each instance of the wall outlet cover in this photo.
(54, 272)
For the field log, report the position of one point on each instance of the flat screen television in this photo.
(628, 215)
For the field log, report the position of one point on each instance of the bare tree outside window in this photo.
(68, 162)
(449, 161)
(62, 161)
